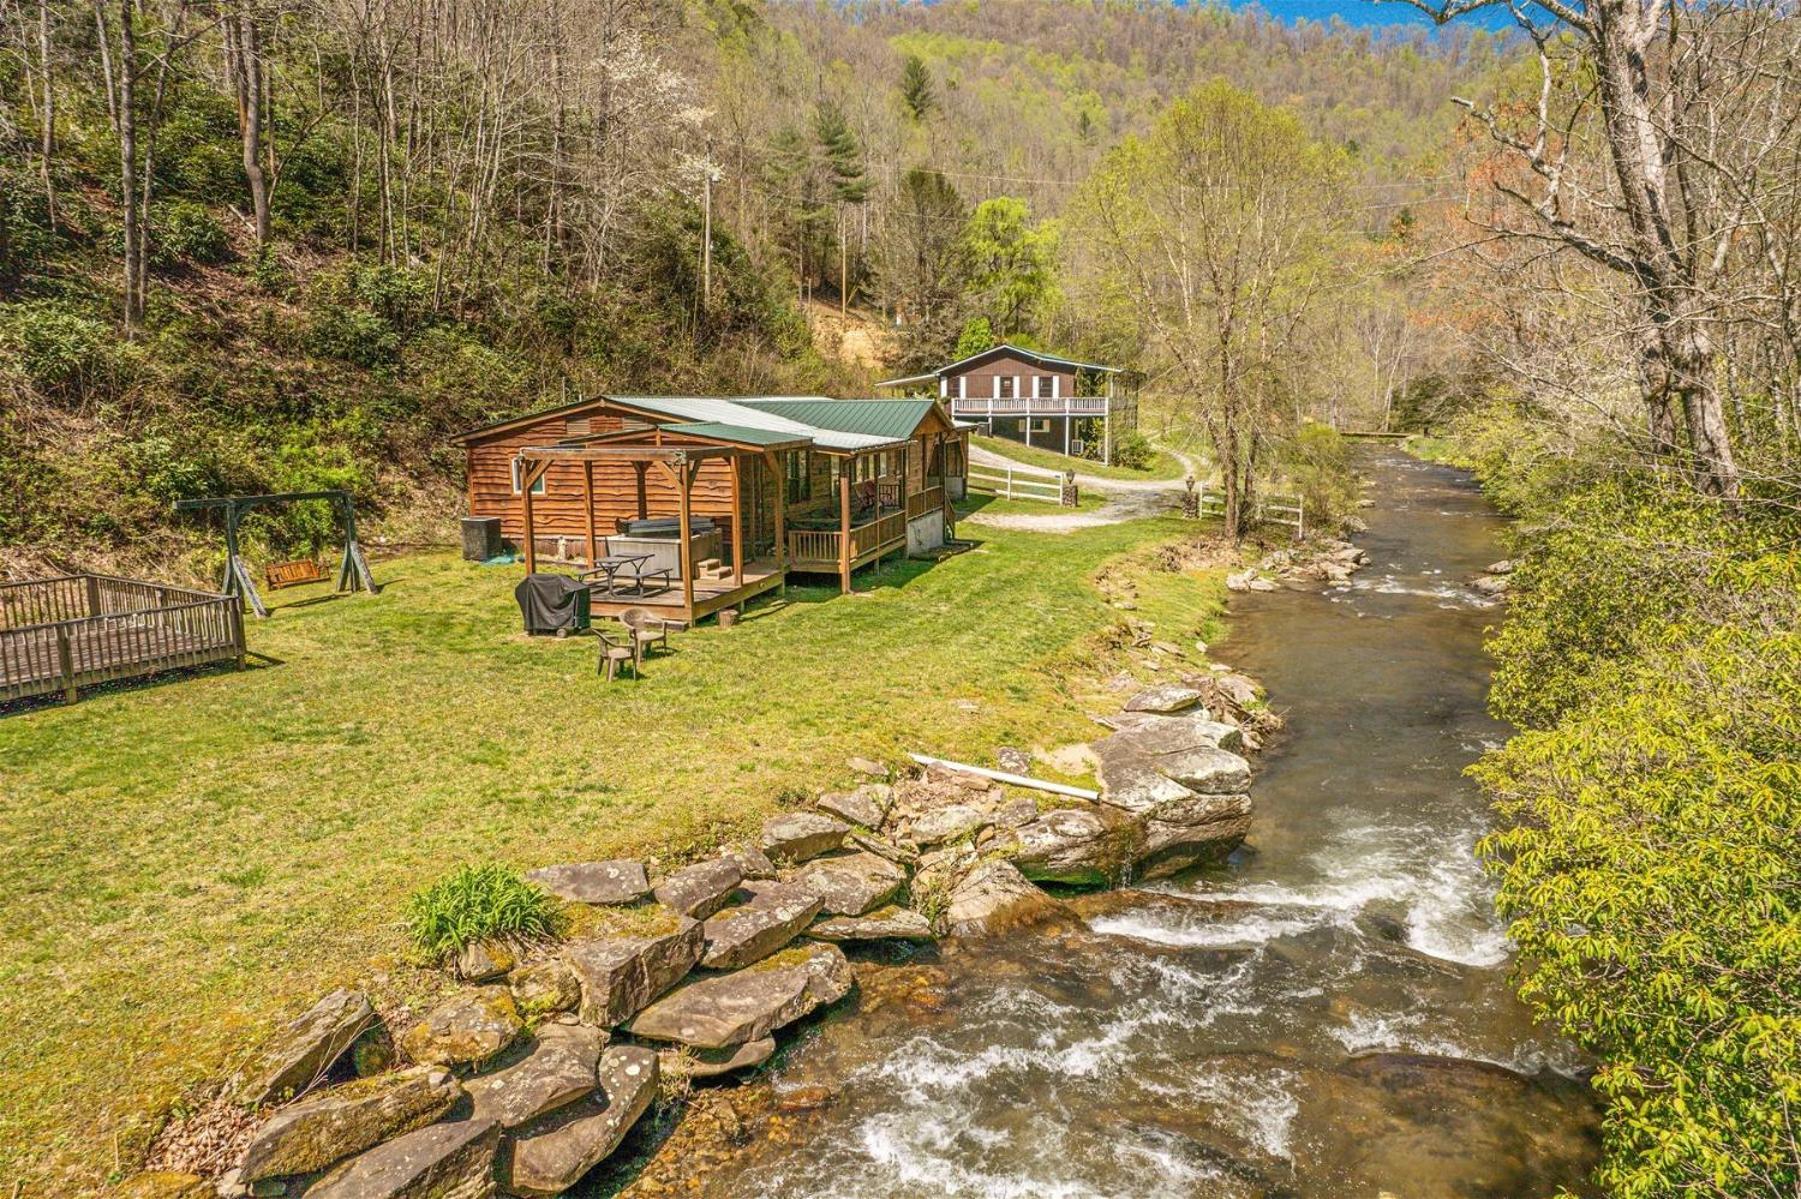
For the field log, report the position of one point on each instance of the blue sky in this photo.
(1365, 12)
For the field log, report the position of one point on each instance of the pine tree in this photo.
(918, 92)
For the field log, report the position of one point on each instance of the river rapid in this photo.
(1327, 1014)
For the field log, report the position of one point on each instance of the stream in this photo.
(1325, 1015)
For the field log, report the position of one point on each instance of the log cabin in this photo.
(727, 495)
(1075, 408)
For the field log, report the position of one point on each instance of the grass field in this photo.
(1164, 465)
(191, 861)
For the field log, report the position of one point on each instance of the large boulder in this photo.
(558, 1069)
(994, 897)
(613, 882)
(797, 836)
(1070, 845)
(619, 975)
(329, 1127)
(299, 1054)
(545, 988)
(866, 807)
(712, 1063)
(550, 1155)
(1208, 770)
(465, 1030)
(700, 890)
(1168, 697)
(483, 961)
(439, 1161)
(851, 884)
(1132, 783)
(751, 861)
(752, 931)
(891, 923)
(1203, 828)
(952, 822)
(1151, 734)
(749, 1004)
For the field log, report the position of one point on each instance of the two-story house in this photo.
(1076, 408)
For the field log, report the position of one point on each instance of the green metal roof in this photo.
(893, 419)
(742, 434)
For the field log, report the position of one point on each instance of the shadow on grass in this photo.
(146, 682)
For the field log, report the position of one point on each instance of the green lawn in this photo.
(189, 862)
(1163, 466)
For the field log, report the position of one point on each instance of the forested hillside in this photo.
(249, 247)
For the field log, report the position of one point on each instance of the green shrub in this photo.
(1133, 451)
(476, 902)
(1613, 567)
(1651, 878)
(189, 232)
(353, 335)
(1317, 462)
(59, 347)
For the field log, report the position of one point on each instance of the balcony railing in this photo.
(1030, 406)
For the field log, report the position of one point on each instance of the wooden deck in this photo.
(102, 629)
(761, 576)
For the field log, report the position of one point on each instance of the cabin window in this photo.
(800, 476)
(577, 426)
(1044, 387)
(519, 473)
(1003, 385)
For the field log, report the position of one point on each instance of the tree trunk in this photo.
(128, 167)
(47, 144)
(243, 56)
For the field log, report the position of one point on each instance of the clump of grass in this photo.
(477, 902)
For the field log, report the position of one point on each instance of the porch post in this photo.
(641, 469)
(525, 496)
(844, 474)
(772, 461)
(1067, 422)
(737, 524)
(588, 495)
(906, 526)
(684, 482)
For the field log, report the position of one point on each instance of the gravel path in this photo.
(1127, 499)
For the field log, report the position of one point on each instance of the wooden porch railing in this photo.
(811, 548)
(922, 502)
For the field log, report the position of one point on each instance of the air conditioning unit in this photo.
(1078, 447)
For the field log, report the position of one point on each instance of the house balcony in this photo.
(983, 406)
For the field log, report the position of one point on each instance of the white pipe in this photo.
(1001, 776)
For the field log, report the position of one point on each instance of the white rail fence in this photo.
(1016, 482)
(1276, 508)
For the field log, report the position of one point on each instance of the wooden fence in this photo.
(66, 633)
(1016, 482)
(1276, 508)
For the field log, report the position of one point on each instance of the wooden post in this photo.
(773, 461)
(844, 525)
(641, 469)
(65, 661)
(737, 524)
(525, 499)
(588, 495)
(94, 596)
(684, 482)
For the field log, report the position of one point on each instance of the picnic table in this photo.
(613, 564)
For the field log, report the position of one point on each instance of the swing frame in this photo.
(353, 570)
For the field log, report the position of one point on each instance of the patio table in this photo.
(613, 564)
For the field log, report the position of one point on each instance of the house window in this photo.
(1003, 385)
(1044, 387)
(519, 473)
(800, 476)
